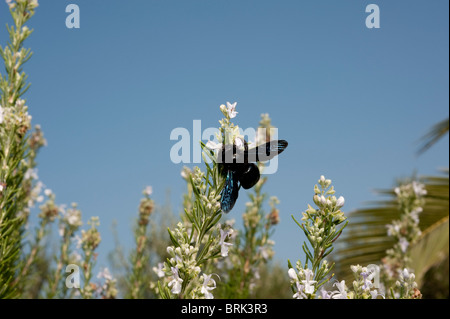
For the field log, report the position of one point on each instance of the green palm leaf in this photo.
(431, 249)
(435, 134)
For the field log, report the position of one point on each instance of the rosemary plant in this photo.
(397, 263)
(252, 246)
(90, 239)
(69, 224)
(201, 238)
(321, 226)
(140, 256)
(14, 127)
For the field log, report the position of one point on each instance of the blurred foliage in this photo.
(436, 281)
(433, 136)
(366, 241)
(35, 268)
(273, 283)
(155, 248)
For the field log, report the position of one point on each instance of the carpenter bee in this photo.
(237, 164)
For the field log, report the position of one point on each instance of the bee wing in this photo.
(263, 152)
(230, 192)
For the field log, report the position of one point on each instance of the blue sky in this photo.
(352, 102)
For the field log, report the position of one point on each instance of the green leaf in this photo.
(434, 135)
(431, 248)
(173, 239)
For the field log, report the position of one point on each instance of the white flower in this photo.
(309, 283)
(73, 217)
(175, 253)
(323, 200)
(159, 271)
(292, 274)
(374, 294)
(415, 214)
(76, 257)
(48, 192)
(341, 293)
(205, 288)
(264, 251)
(325, 183)
(403, 242)
(31, 173)
(355, 268)
(77, 240)
(299, 294)
(105, 274)
(367, 279)
(33, 3)
(231, 109)
(230, 223)
(213, 146)
(419, 189)
(178, 258)
(148, 190)
(325, 294)
(405, 275)
(224, 245)
(340, 202)
(392, 230)
(239, 143)
(176, 281)
(223, 108)
(185, 172)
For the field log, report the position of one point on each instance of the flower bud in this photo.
(310, 210)
(224, 110)
(316, 200)
(292, 274)
(316, 189)
(340, 202)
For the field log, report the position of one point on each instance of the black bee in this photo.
(237, 164)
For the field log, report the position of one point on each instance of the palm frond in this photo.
(434, 135)
(430, 249)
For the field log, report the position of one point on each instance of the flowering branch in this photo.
(140, 258)
(252, 246)
(49, 212)
(90, 240)
(14, 126)
(69, 223)
(406, 231)
(201, 238)
(195, 243)
(320, 227)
